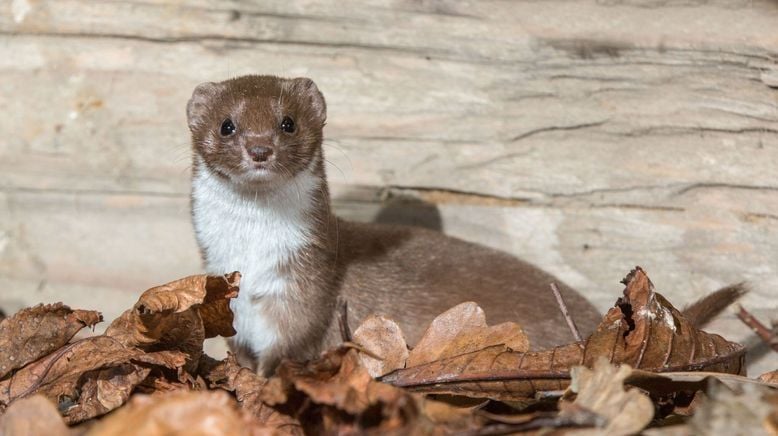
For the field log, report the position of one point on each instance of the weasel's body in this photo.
(261, 207)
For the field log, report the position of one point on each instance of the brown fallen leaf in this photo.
(382, 337)
(181, 412)
(33, 416)
(667, 382)
(463, 329)
(61, 375)
(336, 379)
(770, 377)
(602, 391)
(105, 390)
(37, 331)
(179, 315)
(257, 395)
(347, 399)
(643, 330)
(752, 410)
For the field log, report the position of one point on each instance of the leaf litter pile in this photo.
(646, 368)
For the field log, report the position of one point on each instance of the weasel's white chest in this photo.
(255, 235)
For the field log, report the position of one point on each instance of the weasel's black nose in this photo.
(260, 153)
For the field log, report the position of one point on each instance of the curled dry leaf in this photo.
(643, 330)
(180, 412)
(382, 337)
(37, 331)
(602, 391)
(255, 394)
(463, 329)
(63, 375)
(105, 390)
(33, 416)
(179, 315)
(337, 379)
(348, 400)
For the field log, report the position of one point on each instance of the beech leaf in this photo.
(62, 375)
(180, 412)
(643, 330)
(33, 416)
(382, 337)
(179, 315)
(463, 329)
(37, 331)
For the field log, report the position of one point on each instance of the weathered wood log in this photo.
(561, 133)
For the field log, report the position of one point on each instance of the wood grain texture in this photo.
(585, 136)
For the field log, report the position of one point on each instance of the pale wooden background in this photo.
(585, 136)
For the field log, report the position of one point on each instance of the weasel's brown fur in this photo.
(409, 274)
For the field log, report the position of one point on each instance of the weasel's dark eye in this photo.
(228, 128)
(287, 125)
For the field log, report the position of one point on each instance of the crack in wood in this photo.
(719, 185)
(578, 126)
(419, 51)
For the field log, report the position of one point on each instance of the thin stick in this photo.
(565, 313)
(345, 330)
(766, 334)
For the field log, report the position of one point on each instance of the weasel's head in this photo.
(257, 130)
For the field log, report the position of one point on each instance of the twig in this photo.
(345, 330)
(566, 314)
(361, 349)
(766, 334)
(537, 421)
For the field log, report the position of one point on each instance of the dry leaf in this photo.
(105, 390)
(602, 392)
(181, 412)
(37, 331)
(751, 411)
(668, 382)
(32, 416)
(349, 399)
(463, 329)
(255, 394)
(382, 337)
(770, 377)
(336, 379)
(644, 330)
(62, 375)
(452, 418)
(179, 315)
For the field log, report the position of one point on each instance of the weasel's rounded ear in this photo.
(200, 103)
(307, 90)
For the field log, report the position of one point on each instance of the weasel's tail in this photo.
(708, 307)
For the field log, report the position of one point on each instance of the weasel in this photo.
(261, 206)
